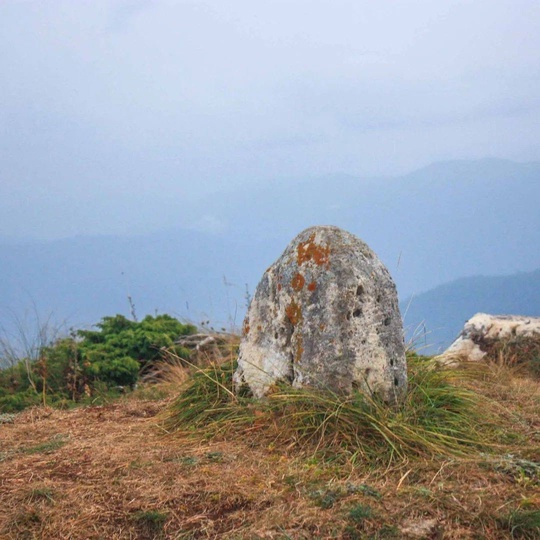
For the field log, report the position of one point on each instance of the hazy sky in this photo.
(106, 106)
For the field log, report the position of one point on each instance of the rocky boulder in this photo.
(486, 336)
(325, 315)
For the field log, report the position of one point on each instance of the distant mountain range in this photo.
(434, 319)
(446, 221)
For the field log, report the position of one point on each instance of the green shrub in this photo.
(115, 371)
(17, 378)
(73, 367)
(18, 401)
(143, 341)
(120, 349)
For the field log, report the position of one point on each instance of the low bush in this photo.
(14, 402)
(73, 368)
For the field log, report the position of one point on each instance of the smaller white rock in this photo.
(484, 329)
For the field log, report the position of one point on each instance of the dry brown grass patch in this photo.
(114, 475)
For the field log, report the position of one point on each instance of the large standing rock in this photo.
(326, 315)
(485, 336)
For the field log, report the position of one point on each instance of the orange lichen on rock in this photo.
(312, 286)
(245, 327)
(298, 282)
(294, 313)
(311, 251)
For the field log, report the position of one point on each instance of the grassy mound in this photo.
(441, 415)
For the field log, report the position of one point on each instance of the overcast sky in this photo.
(105, 105)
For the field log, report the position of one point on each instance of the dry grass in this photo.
(110, 473)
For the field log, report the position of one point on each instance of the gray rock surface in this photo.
(325, 315)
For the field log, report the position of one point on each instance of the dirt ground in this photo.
(110, 472)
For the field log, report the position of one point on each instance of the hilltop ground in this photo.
(110, 472)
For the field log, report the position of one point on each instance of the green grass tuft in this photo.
(207, 402)
(438, 417)
(523, 524)
(151, 522)
(41, 494)
(359, 513)
(47, 447)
